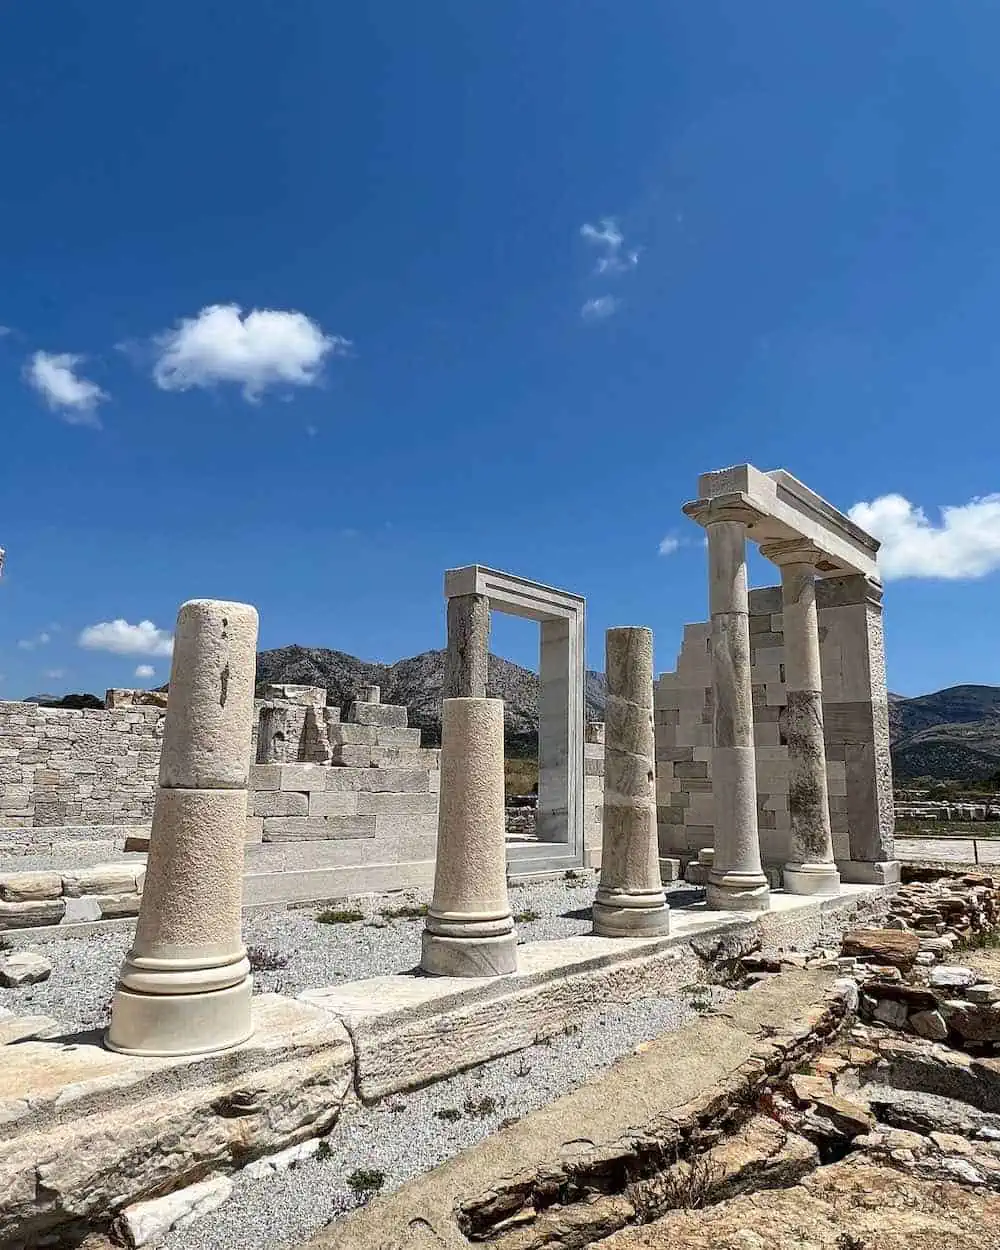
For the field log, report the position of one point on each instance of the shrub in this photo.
(334, 915)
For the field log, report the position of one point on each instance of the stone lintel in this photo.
(780, 508)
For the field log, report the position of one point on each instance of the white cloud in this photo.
(29, 644)
(55, 673)
(54, 377)
(600, 309)
(145, 670)
(264, 348)
(608, 239)
(4, 331)
(669, 545)
(125, 639)
(966, 543)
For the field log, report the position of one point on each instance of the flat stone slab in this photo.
(412, 1029)
(599, 1119)
(85, 1132)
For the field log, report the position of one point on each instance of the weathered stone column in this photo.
(630, 901)
(469, 930)
(810, 868)
(736, 881)
(185, 985)
(467, 659)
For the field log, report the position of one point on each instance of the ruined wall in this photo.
(77, 767)
(855, 709)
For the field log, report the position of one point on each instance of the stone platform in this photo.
(85, 1133)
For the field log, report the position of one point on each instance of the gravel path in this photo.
(290, 950)
(408, 1134)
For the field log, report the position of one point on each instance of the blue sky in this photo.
(305, 303)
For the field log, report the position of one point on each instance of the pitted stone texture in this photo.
(630, 899)
(206, 740)
(468, 647)
(470, 908)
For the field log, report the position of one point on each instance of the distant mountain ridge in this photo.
(417, 683)
(952, 734)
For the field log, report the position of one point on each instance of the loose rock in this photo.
(24, 968)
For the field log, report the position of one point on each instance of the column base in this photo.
(630, 915)
(863, 872)
(737, 891)
(811, 879)
(166, 1025)
(468, 956)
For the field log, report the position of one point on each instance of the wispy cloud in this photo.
(264, 348)
(600, 309)
(145, 670)
(55, 673)
(668, 545)
(31, 644)
(121, 638)
(54, 376)
(964, 544)
(613, 256)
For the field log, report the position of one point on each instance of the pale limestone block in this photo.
(101, 879)
(115, 906)
(29, 887)
(280, 803)
(265, 776)
(386, 714)
(255, 829)
(398, 780)
(387, 736)
(24, 968)
(375, 804)
(352, 757)
(150, 1221)
(302, 828)
(82, 910)
(333, 803)
(300, 696)
(206, 737)
(397, 757)
(31, 914)
(348, 735)
(305, 777)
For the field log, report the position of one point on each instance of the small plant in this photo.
(406, 911)
(684, 1186)
(363, 1182)
(699, 997)
(570, 1029)
(526, 916)
(448, 1114)
(397, 1108)
(263, 959)
(847, 1241)
(481, 1109)
(334, 915)
(523, 1069)
(507, 1121)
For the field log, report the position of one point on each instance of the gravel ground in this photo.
(406, 1134)
(291, 951)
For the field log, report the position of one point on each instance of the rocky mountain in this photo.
(953, 734)
(417, 682)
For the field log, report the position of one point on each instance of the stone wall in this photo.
(77, 767)
(855, 708)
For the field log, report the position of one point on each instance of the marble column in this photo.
(470, 930)
(185, 985)
(630, 901)
(810, 868)
(736, 881)
(467, 657)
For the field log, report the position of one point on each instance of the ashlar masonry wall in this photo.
(855, 709)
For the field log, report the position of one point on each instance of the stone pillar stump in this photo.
(630, 901)
(469, 930)
(185, 986)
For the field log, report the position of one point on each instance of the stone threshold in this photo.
(410, 1030)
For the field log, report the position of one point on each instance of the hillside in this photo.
(953, 734)
(417, 683)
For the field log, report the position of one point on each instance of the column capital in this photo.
(793, 551)
(735, 507)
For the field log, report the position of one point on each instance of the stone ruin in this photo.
(695, 762)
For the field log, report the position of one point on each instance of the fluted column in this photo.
(810, 868)
(185, 985)
(630, 901)
(736, 881)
